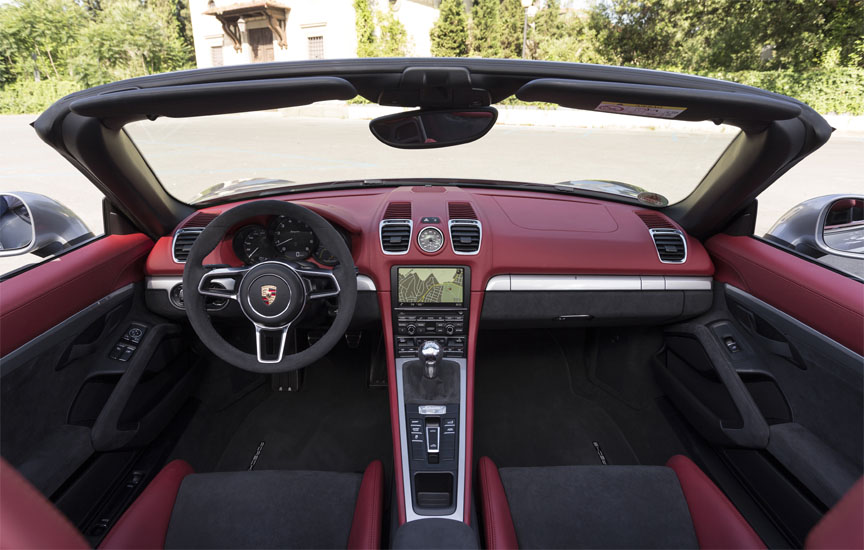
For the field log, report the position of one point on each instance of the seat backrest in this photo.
(843, 525)
(28, 520)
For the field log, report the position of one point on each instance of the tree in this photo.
(365, 25)
(485, 31)
(450, 32)
(512, 18)
(126, 39)
(393, 38)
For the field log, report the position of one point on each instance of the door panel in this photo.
(40, 298)
(829, 302)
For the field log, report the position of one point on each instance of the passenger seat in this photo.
(676, 506)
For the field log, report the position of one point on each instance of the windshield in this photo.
(203, 158)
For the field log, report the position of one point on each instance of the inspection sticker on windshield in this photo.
(658, 111)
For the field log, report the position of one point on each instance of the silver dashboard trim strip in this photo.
(166, 283)
(559, 283)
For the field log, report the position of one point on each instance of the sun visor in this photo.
(748, 111)
(124, 106)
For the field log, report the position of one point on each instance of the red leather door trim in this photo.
(843, 525)
(366, 526)
(497, 521)
(824, 300)
(717, 522)
(145, 523)
(35, 301)
(28, 520)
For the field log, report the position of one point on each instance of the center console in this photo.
(430, 313)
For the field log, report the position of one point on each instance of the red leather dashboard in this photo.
(523, 232)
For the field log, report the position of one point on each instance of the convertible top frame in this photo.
(86, 127)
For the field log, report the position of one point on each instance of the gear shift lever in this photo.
(430, 354)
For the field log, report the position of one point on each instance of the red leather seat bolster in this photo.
(497, 522)
(366, 526)
(28, 520)
(717, 522)
(145, 523)
(843, 525)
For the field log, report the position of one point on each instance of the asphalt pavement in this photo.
(318, 149)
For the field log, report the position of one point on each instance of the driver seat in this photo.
(182, 509)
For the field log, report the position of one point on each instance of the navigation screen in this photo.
(424, 286)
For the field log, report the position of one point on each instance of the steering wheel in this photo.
(273, 295)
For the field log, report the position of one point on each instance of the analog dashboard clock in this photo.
(430, 239)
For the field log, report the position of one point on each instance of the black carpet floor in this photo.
(544, 404)
(335, 423)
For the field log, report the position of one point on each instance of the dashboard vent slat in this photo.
(461, 211)
(671, 245)
(395, 236)
(465, 236)
(398, 211)
(654, 220)
(201, 219)
(184, 238)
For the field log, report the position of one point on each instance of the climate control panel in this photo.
(447, 328)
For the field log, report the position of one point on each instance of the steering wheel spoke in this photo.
(222, 282)
(270, 343)
(315, 276)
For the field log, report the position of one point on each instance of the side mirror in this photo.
(30, 222)
(430, 129)
(829, 225)
(17, 234)
(842, 227)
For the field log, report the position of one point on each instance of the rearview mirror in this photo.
(30, 222)
(842, 227)
(429, 129)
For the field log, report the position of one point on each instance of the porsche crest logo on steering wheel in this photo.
(268, 293)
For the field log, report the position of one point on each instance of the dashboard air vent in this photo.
(398, 211)
(671, 245)
(461, 211)
(184, 238)
(655, 221)
(465, 234)
(201, 219)
(395, 236)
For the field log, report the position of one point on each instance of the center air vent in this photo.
(395, 236)
(671, 245)
(183, 241)
(465, 236)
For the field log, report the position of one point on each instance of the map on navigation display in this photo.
(440, 285)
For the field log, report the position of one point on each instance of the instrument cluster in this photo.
(282, 238)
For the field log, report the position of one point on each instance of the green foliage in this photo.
(834, 90)
(512, 20)
(365, 25)
(449, 34)
(29, 97)
(125, 41)
(71, 45)
(485, 30)
(393, 39)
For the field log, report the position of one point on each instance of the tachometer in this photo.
(252, 245)
(293, 239)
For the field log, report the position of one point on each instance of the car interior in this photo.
(427, 362)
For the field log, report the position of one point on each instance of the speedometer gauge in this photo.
(293, 239)
(252, 245)
(430, 239)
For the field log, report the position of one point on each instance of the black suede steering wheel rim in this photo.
(344, 275)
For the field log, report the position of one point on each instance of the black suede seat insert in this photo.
(598, 507)
(266, 509)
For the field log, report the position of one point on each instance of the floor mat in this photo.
(334, 424)
(526, 413)
(549, 402)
